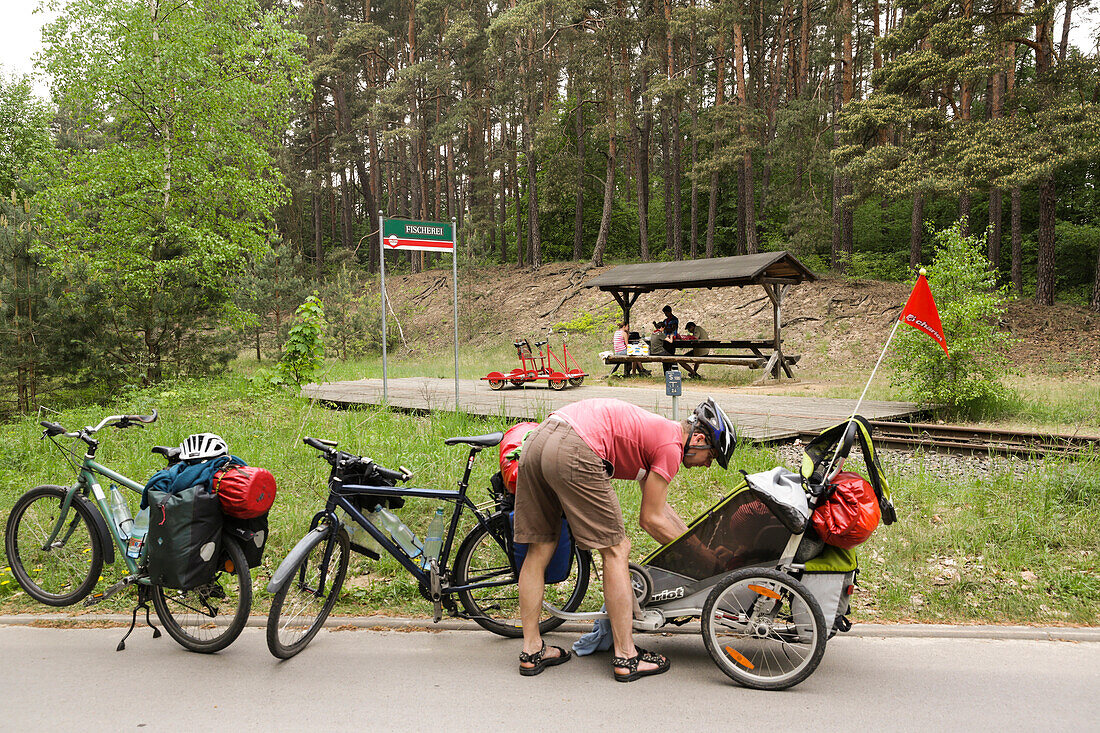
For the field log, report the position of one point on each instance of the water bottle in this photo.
(401, 534)
(434, 541)
(357, 535)
(137, 537)
(120, 512)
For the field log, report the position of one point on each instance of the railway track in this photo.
(975, 440)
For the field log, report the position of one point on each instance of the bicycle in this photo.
(483, 576)
(57, 539)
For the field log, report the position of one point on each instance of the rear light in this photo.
(850, 589)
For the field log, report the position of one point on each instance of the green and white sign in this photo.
(429, 236)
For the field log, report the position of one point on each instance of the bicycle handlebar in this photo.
(341, 460)
(119, 421)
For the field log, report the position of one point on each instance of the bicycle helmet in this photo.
(709, 419)
(201, 446)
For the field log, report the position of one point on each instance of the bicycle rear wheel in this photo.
(65, 571)
(303, 600)
(210, 617)
(481, 559)
(763, 629)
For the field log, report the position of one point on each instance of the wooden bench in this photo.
(752, 362)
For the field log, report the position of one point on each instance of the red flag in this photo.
(920, 313)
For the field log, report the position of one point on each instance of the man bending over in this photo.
(566, 467)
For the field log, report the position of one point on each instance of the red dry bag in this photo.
(509, 456)
(245, 491)
(849, 516)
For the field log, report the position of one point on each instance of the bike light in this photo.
(850, 589)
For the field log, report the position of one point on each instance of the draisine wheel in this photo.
(576, 377)
(558, 382)
(495, 383)
(763, 629)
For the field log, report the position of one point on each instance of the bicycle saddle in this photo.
(482, 441)
(171, 453)
(539, 343)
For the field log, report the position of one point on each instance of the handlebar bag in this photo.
(849, 516)
(244, 491)
(185, 535)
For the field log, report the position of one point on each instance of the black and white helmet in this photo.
(709, 419)
(201, 446)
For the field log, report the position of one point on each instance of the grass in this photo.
(1001, 547)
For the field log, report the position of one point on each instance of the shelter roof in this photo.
(716, 272)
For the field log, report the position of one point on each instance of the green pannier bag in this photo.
(185, 536)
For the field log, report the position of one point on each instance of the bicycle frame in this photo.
(87, 483)
(339, 498)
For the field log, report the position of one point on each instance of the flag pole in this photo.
(855, 410)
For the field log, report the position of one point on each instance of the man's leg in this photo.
(619, 597)
(532, 585)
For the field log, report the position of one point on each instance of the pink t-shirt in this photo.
(633, 440)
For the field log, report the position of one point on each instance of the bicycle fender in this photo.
(106, 541)
(286, 567)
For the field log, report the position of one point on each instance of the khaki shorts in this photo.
(559, 474)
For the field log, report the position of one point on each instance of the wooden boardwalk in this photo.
(761, 418)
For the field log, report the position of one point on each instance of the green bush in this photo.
(304, 351)
(970, 305)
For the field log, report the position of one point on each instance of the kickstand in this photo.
(143, 602)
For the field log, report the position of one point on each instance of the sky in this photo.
(20, 35)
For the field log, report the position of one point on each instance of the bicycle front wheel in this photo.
(763, 629)
(481, 559)
(305, 598)
(65, 570)
(210, 617)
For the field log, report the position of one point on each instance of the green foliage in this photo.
(268, 289)
(304, 351)
(168, 180)
(597, 321)
(969, 304)
(354, 315)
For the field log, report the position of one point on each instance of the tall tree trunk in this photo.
(644, 134)
(1044, 271)
(609, 181)
(719, 101)
(996, 215)
(916, 230)
(746, 162)
(1017, 244)
(578, 220)
(666, 176)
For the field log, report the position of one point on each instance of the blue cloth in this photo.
(185, 475)
(597, 640)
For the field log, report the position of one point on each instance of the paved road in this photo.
(368, 680)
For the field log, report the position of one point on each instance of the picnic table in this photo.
(753, 353)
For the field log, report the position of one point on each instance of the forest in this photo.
(201, 166)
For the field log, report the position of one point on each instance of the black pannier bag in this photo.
(185, 535)
(252, 535)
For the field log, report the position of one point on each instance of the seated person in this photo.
(658, 346)
(696, 331)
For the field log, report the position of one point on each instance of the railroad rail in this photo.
(978, 440)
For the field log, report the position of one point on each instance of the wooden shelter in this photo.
(775, 272)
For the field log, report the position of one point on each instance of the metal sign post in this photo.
(454, 266)
(427, 236)
(674, 388)
(382, 269)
